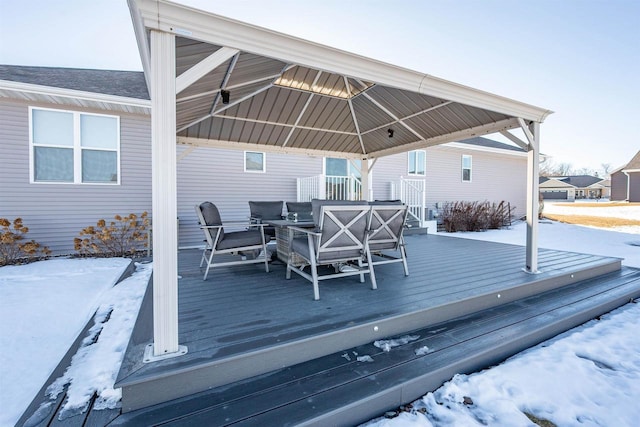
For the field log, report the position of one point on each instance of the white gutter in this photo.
(9, 87)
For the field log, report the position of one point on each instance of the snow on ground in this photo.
(570, 238)
(43, 307)
(588, 376)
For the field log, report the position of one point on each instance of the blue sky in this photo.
(579, 58)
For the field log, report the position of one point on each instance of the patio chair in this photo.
(265, 211)
(386, 233)
(341, 237)
(235, 242)
(302, 209)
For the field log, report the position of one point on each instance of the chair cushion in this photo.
(211, 216)
(303, 208)
(266, 210)
(239, 239)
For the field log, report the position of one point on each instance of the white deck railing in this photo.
(413, 193)
(328, 187)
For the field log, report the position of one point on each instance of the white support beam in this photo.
(204, 67)
(365, 180)
(164, 197)
(520, 143)
(426, 110)
(185, 153)
(393, 116)
(304, 109)
(527, 131)
(533, 171)
(225, 80)
(353, 116)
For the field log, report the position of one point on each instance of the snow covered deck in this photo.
(243, 322)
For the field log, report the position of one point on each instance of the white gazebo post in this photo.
(165, 233)
(533, 180)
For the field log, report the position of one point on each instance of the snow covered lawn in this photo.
(43, 308)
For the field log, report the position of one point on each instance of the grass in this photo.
(597, 204)
(594, 221)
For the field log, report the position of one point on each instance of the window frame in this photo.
(76, 146)
(463, 168)
(264, 161)
(424, 163)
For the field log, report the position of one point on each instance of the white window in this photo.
(342, 167)
(466, 167)
(73, 147)
(254, 161)
(417, 162)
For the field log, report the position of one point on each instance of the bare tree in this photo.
(606, 168)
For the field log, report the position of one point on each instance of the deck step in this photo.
(339, 390)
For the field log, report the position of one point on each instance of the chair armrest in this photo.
(311, 231)
(242, 224)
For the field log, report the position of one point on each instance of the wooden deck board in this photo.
(243, 310)
(334, 383)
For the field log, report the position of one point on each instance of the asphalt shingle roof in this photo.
(120, 83)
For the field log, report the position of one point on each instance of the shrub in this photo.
(124, 236)
(12, 247)
(476, 216)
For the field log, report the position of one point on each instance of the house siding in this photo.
(217, 175)
(495, 177)
(618, 186)
(55, 213)
(634, 186)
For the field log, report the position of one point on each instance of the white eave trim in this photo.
(221, 31)
(49, 91)
(472, 147)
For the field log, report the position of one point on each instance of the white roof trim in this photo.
(199, 25)
(264, 148)
(473, 147)
(40, 92)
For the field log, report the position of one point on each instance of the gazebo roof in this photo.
(241, 86)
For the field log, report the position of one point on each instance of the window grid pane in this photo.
(52, 128)
(98, 132)
(99, 166)
(53, 164)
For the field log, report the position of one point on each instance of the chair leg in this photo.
(372, 274)
(314, 268)
(266, 260)
(204, 257)
(403, 253)
(360, 267)
(314, 276)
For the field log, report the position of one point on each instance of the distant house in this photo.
(625, 181)
(76, 147)
(572, 187)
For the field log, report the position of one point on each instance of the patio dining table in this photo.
(282, 237)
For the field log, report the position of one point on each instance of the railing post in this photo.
(322, 187)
